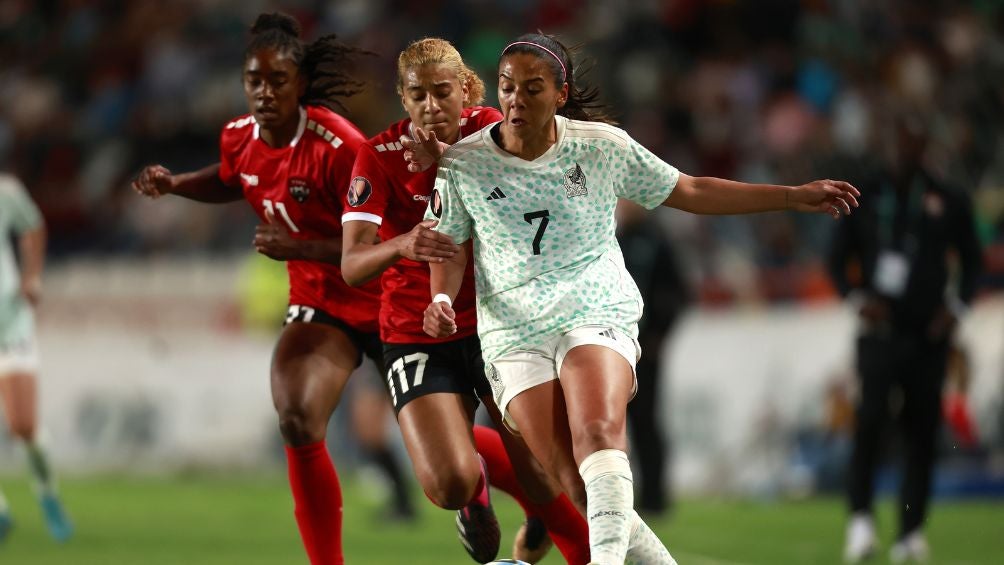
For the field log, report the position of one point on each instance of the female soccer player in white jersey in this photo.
(435, 384)
(288, 158)
(537, 194)
(20, 291)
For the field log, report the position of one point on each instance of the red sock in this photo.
(566, 527)
(318, 499)
(500, 473)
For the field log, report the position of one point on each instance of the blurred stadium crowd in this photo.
(773, 91)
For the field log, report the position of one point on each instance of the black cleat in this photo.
(477, 526)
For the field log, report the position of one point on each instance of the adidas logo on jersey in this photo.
(608, 333)
(496, 194)
(252, 180)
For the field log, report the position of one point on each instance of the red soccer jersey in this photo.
(299, 184)
(385, 193)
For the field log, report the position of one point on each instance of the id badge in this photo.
(891, 273)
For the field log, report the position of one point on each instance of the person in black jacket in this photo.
(650, 259)
(900, 245)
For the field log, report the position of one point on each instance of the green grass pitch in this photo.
(248, 520)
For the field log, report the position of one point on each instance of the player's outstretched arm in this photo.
(364, 257)
(203, 185)
(444, 283)
(710, 195)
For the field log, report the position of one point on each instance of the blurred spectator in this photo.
(652, 263)
(899, 245)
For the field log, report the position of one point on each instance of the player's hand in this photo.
(273, 240)
(440, 320)
(424, 151)
(423, 243)
(153, 181)
(31, 290)
(834, 197)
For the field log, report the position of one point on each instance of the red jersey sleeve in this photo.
(231, 138)
(368, 191)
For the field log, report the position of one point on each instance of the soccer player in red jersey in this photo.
(286, 158)
(431, 380)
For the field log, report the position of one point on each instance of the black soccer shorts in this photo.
(366, 343)
(417, 369)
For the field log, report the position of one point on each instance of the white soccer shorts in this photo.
(516, 372)
(20, 357)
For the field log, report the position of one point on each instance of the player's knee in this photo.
(450, 486)
(597, 434)
(300, 425)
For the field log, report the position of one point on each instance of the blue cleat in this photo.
(55, 518)
(6, 525)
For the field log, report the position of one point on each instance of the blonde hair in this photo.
(435, 51)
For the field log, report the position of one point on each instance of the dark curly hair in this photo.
(322, 62)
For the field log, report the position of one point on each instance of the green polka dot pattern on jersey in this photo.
(545, 254)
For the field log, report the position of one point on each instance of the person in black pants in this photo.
(649, 258)
(898, 243)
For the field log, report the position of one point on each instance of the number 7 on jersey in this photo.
(544, 217)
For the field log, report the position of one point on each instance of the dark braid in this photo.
(322, 62)
(582, 103)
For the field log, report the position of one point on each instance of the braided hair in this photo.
(582, 103)
(322, 62)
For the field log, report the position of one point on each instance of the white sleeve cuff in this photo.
(361, 216)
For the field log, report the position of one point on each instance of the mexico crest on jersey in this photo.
(299, 190)
(359, 191)
(575, 182)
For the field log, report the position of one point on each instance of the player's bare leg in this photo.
(597, 383)
(18, 391)
(310, 366)
(448, 467)
(550, 513)
(598, 414)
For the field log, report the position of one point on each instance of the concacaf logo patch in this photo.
(436, 204)
(299, 190)
(359, 191)
(575, 182)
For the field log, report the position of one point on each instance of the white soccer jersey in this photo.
(18, 214)
(545, 255)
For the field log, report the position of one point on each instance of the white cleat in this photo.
(912, 547)
(861, 540)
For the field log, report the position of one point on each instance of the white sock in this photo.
(645, 547)
(609, 500)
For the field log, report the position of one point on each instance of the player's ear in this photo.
(563, 95)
